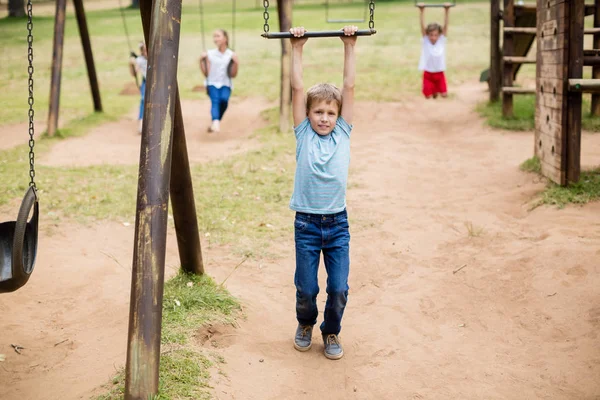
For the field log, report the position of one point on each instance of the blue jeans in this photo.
(219, 99)
(143, 93)
(328, 234)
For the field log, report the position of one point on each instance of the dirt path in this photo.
(520, 320)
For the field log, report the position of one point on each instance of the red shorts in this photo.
(434, 83)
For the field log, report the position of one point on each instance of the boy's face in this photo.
(323, 116)
(433, 36)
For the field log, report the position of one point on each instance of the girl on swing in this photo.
(219, 66)
(139, 65)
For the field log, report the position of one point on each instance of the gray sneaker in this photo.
(303, 339)
(333, 347)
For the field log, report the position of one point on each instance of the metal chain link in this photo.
(371, 14)
(30, 99)
(266, 15)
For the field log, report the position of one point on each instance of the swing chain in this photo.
(30, 99)
(266, 15)
(371, 14)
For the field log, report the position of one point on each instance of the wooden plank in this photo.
(508, 50)
(551, 71)
(573, 165)
(549, 57)
(584, 85)
(552, 172)
(519, 60)
(495, 82)
(550, 117)
(520, 30)
(595, 106)
(518, 90)
(549, 149)
(550, 100)
(590, 9)
(550, 85)
(553, 42)
(552, 27)
(591, 31)
(558, 11)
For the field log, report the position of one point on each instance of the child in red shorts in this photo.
(433, 55)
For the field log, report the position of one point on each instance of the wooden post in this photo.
(495, 55)
(284, 8)
(143, 347)
(57, 55)
(89, 55)
(182, 201)
(596, 69)
(575, 31)
(508, 50)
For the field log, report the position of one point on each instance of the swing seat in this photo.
(18, 245)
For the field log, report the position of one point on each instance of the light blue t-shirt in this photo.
(321, 169)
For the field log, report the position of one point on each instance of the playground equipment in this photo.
(343, 21)
(318, 34)
(519, 31)
(561, 59)
(18, 239)
(57, 53)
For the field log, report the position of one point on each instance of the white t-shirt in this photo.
(142, 64)
(433, 56)
(217, 76)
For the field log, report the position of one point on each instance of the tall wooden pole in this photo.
(284, 9)
(89, 55)
(596, 69)
(182, 201)
(495, 55)
(508, 49)
(57, 55)
(575, 68)
(143, 347)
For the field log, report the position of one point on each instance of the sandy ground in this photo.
(520, 320)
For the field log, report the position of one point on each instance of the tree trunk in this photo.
(16, 8)
(284, 9)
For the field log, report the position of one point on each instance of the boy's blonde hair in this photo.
(323, 92)
(433, 27)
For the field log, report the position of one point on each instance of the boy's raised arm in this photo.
(446, 18)
(422, 18)
(349, 73)
(298, 103)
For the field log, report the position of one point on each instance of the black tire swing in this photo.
(317, 34)
(18, 239)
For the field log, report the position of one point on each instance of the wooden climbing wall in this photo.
(558, 112)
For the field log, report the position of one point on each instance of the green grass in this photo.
(582, 192)
(585, 191)
(184, 367)
(524, 114)
(391, 56)
(531, 165)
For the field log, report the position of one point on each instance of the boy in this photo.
(433, 54)
(322, 128)
(139, 64)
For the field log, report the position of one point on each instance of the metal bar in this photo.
(89, 55)
(317, 34)
(584, 85)
(183, 202)
(56, 74)
(593, 61)
(591, 31)
(162, 31)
